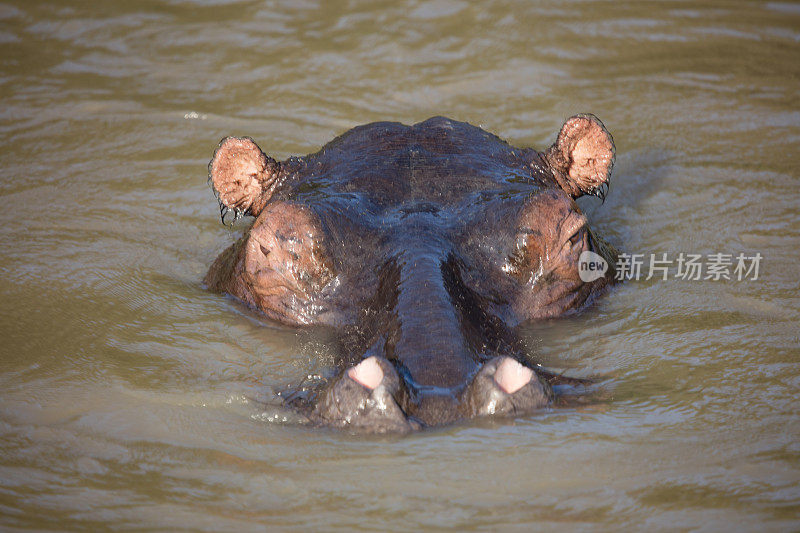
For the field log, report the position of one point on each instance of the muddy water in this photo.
(131, 397)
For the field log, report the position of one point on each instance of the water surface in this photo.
(131, 397)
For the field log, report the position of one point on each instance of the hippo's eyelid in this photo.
(572, 225)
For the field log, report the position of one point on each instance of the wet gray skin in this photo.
(424, 247)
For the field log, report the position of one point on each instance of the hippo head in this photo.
(425, 247)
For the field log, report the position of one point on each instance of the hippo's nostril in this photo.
(367, 373)
(512, 376)
(505, 386)
(364, 398)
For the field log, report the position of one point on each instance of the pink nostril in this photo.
(512, 376)
(368, 373)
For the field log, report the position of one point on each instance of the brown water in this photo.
(132, 398)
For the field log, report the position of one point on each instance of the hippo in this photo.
(423, 248)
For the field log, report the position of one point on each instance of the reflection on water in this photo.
(129, 396)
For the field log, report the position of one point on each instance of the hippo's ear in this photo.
(582, 156)
(242, 176)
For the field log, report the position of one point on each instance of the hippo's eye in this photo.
(574, 229)
(576, 237)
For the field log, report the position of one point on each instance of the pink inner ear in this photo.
(512, 376)
(368, 373)
(591, 157)
(238, 171)
(584, 153)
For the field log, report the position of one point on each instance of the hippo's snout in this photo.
(426, 368)
(371, 397)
